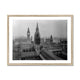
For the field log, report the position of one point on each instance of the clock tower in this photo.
(28, 37)
(28, 33)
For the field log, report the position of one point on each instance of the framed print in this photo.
(40, 39)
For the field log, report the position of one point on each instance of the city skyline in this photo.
(56, 28)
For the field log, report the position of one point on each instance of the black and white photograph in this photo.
(39, 39)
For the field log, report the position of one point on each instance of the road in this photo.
(47, 55)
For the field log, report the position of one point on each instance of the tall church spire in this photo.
(37, 36)
(37, 29)
(28, 31)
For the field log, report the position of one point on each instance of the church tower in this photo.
(37, 36)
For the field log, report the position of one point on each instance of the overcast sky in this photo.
(56, 28)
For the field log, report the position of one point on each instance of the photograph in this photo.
(39, 39)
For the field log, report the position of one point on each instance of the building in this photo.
(26, 44)
(23, 48)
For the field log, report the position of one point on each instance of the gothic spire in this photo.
(37, 29)
(28, 31)
(37, 36)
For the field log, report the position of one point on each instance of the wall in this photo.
(39, 7)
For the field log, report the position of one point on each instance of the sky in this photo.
(56, 28)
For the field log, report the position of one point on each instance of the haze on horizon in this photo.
(56, 28)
